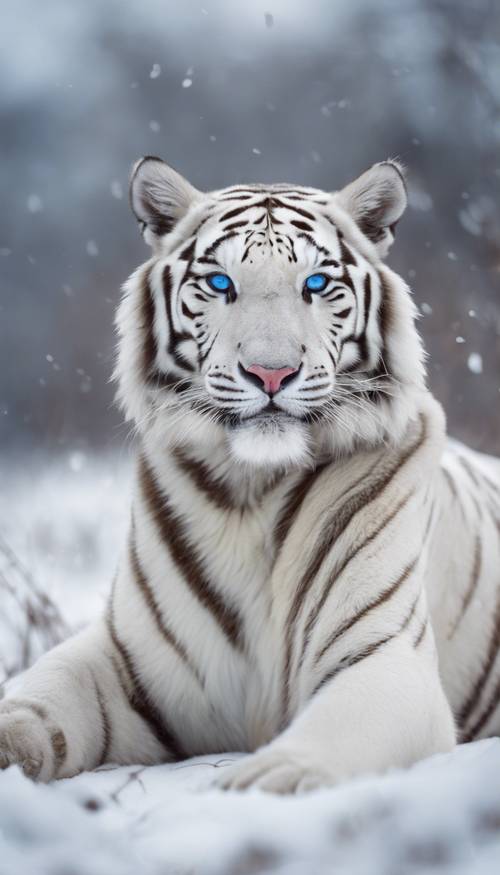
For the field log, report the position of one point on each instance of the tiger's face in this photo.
(262, 319)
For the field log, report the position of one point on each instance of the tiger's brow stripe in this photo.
(368, 651)
(148, 595)
(383, 597)
(218, 242)
(475, 694)
(237, 211)
(233, 225)
(473, 582)
(137, 695)
(326, 542)
(173, 533)
(346, 254)
(213, 488)
(105, 723)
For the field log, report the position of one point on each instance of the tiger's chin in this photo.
(270, 442)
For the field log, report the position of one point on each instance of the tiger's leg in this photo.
(387, 710)
(75, 709)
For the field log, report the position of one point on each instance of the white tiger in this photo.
(311, 576)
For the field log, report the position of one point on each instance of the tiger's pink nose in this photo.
(271, 378)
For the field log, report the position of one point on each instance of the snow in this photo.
(155, 71)
(475, 363)
(187, 82)
(442, 815)
(92, 248)
(116, 189)
(34, 203)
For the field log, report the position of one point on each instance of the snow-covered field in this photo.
(60, 529)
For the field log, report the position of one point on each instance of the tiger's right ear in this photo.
(159, 197)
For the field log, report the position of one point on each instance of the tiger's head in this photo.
(265, 319)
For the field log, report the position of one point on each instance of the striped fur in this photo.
(310, 576)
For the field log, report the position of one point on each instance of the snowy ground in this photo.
(60, 531)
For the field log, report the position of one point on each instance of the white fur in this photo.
(311, 708)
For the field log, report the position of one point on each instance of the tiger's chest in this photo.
(210, 572)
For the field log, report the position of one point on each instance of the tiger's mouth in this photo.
(270, 419)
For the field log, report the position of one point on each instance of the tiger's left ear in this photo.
(159, 197)
(376, 200)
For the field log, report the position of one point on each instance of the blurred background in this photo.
(303, 91)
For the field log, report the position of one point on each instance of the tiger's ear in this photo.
(159, 197)
(376, 200)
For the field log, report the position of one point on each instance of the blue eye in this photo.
(316, 282)
(219, 282)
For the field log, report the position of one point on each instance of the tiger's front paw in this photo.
(276, 770)
(29, 740)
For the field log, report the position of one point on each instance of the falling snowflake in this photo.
(256, 151)
(475, 363)
(77, 461)
(187, 82)
(35, 203)
(155, 71)
(92, 248)
(154, 125)
(459, 339)
(452, 256)
(5, 251)
(426, 309)
(116, 189)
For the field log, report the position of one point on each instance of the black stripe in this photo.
(105, 724)
(213, 488)
(346, 255)
(329, 535)
(218, 242)
(450, 482)
(420, 636)
(174, 337)
(149, 597)
(493, 649)
(473, 582)
(383, 597)
(303, 226)
(139, 699)
(172, 531)
(292, 504)
(59, 748)
(146, 324)
(485, 714)
(369, 650)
